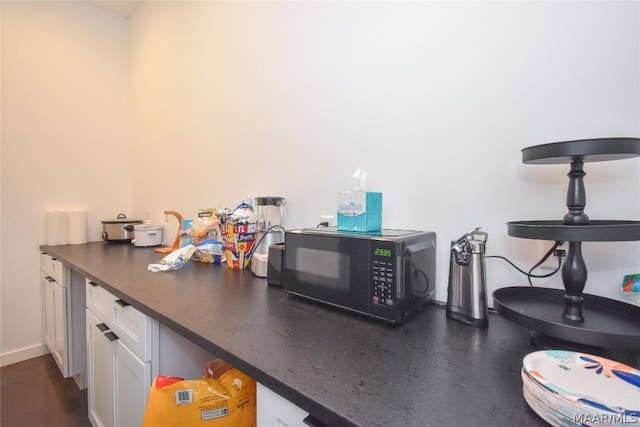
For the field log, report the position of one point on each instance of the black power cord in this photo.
(554, 250)
(268, 230)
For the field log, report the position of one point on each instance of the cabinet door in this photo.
(274, 410)
(60, 315)
(49, 310)
(100, 374)
(132, 382)
(55, 323)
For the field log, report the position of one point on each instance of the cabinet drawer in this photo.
(133, 328)
(53, 268)
(99, 301)
(46, 262)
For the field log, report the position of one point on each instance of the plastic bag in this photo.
(210, 252)
(205, 227)
(226, 397)
(175, 260)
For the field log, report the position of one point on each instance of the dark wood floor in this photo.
(33, 393)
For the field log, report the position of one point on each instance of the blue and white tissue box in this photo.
(359, 211)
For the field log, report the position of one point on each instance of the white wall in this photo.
(230, 100)
(65, 142)
(434, 99)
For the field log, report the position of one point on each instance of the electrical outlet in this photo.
(329, 219)
(552, 262)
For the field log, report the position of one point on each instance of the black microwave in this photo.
(387, 275)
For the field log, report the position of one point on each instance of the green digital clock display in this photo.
(382, 252)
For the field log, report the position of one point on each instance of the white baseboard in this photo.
(23, 354)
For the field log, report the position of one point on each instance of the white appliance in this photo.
(146, 235)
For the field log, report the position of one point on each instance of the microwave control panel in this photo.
(383, 273)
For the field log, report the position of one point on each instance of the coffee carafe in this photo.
(467, 290)
(270, 216)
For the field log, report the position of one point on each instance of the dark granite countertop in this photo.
(341, 368)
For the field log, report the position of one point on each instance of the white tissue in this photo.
(175, 260)
(361, 179)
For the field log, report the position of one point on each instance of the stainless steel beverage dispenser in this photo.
(467, 291)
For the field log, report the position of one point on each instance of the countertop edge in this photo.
(325, 414)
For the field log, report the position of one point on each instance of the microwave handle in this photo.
(408, 270)
(406, 274)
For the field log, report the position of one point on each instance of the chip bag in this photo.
(224, 398)
(210, 252)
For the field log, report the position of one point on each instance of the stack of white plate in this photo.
(568, 388)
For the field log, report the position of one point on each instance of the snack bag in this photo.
(205, 227)
(238, 240)
(210, 252)
(226, 397)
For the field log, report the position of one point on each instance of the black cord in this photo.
(545, 257)
(529, 274)
(535, 276)
(253, 248)
(416, 272)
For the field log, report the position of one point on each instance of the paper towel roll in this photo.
(78, 223)
(57, 228)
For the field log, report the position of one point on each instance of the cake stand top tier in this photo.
(585, 150)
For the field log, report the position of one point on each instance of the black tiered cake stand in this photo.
(577, 320)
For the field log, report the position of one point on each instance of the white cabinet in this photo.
(55, 307)
(100, 383)
(132, 382)
(275, 411)
(63, 317)
(63, 301)
(122, 359)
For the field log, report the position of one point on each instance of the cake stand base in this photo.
(607, 324)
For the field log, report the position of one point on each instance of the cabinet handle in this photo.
(111, 336)
(49, 279)
(122, 303)
(312, 421)
(93, 283)
(103, 328)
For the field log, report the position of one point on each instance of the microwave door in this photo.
(328, 269)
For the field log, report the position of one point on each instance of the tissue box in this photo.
(238, 241)
(359, 211)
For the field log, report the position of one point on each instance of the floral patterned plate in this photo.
(589, 381)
